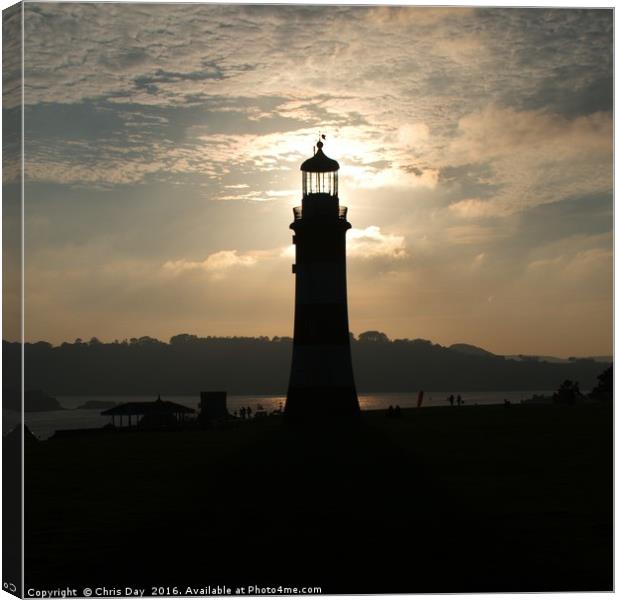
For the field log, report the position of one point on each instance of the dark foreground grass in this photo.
(439, 500)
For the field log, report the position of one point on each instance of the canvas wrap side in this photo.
(12, 289)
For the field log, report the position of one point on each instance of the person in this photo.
(242, 412)
(451, 399)
(397, 411)
(459, 400)
(248, 410)
(390, 411)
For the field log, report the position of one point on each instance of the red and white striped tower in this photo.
(321, 381)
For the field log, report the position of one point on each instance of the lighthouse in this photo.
(321, 381)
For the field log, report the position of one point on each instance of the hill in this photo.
(188, 364)
(471, 350)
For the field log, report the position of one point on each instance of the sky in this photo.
(162, 153)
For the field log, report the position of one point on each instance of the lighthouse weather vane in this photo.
(321, 136)
(321, 381)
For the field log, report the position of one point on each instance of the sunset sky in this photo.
(163, 145)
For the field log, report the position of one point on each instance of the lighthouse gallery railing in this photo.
(298, 213)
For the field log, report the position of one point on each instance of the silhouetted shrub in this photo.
(604, 389)
(568, 393)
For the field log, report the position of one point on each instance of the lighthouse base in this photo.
(320, 402)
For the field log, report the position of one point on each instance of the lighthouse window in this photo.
(320, 183)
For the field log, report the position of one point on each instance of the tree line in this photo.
(188, 364)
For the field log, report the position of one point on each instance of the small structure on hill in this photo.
(212, 407)
(160, 414)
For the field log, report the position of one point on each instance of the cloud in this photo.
(372, 243)
(577, 260)
(474, 208)
(413, 134)
(535, 157)
(472, 234)
(213, 90)
(366, 243)
(216, 264)
(12, 77)
(420, 15)
(225, 259)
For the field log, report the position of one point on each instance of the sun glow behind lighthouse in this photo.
(359, 148)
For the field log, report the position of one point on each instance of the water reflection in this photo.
(43, 424)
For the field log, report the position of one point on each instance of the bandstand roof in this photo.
(147, 408)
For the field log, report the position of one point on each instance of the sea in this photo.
(44, 424)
